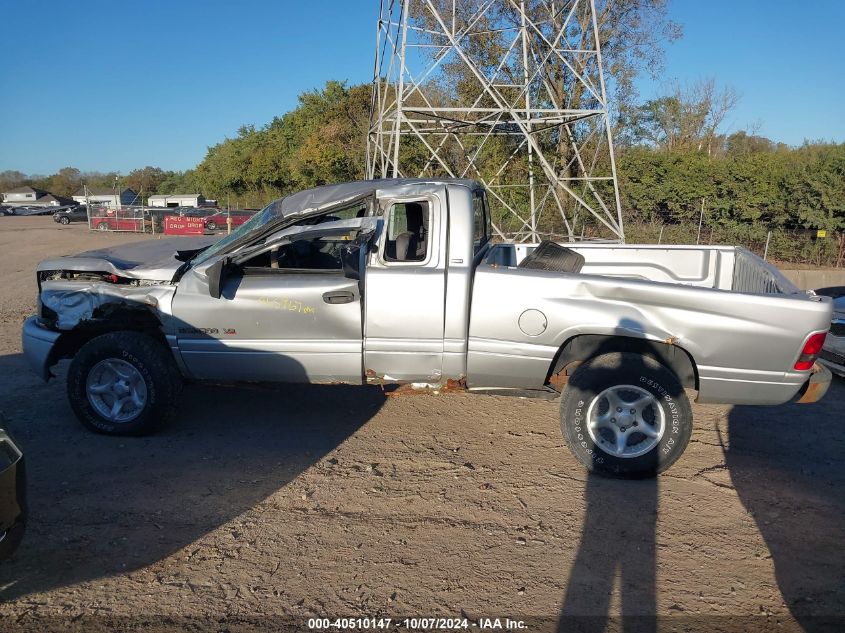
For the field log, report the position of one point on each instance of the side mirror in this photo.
(349, 257)
(215, 276)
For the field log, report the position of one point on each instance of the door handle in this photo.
(339, 296)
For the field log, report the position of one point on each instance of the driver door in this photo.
(406, 290)
(271, 324)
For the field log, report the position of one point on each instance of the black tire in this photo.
(153, 362)
(64, 220)
(582, 397)
(211, 225)
(103, 226)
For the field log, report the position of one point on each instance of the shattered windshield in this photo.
(348, 210)
(263, 217)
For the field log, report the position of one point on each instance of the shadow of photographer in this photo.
(616, 550)
(787, 465)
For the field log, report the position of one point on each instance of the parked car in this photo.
(12, 496)
(26, 210)
(132, 220)
(194, 212)
(348, 284)
(185, 211)
(833, 352)
(217, 220)
(66, 215)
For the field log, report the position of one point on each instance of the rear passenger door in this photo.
(405, 292)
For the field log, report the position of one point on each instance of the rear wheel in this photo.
(625, 415)
(103, 226)
(123, 383)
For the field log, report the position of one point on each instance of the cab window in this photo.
(480, 221)
(407, 238)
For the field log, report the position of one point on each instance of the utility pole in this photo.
(87, 204)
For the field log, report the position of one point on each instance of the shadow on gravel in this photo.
(617, 544)
(105, 505)
(788, 467)
(617, 551)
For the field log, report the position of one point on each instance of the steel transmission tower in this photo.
(509, 92)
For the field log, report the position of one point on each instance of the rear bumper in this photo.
(814, 389)
(12, 496)
(720, 386)
(38, 343)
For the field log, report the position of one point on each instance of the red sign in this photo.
(176, 225)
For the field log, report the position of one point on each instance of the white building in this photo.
(176, 200)
(32, 197)
(107, 198)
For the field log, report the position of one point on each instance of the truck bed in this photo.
(719, 267)
(739, 319)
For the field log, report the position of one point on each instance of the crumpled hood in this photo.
(153, 260)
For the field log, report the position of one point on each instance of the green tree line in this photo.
(68, 180)
(739, 196)
(745, 184)
(738, 186)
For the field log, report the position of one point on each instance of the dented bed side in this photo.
(743, 345)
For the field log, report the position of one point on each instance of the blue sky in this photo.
(117, 85)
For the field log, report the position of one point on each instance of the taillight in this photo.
(812, 348)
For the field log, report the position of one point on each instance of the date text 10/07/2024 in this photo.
(416, 624)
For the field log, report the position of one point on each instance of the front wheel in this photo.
(64, 220)
(625, 415)
(211, 225)
(123, 383)
(103, 226)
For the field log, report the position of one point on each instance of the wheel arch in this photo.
(583, 347)
(115, 318)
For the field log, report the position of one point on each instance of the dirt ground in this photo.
(265, 506)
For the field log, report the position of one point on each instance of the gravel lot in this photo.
(262, 506)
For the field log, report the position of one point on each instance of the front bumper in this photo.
(816, 386)
(12, 496)
(38, 343)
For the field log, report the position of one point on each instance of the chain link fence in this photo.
(123, 219)
(804, 247)
(795, 246)
(137, 219)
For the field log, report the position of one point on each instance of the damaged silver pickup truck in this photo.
(399, 281)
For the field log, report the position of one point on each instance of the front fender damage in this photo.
(71, 312)
(72, 304)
